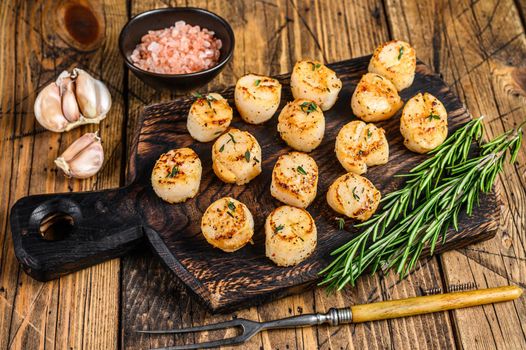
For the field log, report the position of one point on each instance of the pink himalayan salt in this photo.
(179, 49)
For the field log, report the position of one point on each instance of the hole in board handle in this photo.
(56, 226)
(55, 219)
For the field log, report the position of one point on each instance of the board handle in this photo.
(56, 234)
(432, 303)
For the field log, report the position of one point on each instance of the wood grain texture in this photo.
(287, 31)
(80, 310)
(274, 34)
(110, 222)
(486, 73)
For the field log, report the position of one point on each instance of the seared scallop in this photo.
(301, 125)
(312, 80)
(291, 235)
(227, 224)
(375, 98)
(396, 61)
(353, 196)
(257, 98)
(236, 157)
(176, 175)
(423, 123)
(295, 179)
(360, 145)
(208, 117)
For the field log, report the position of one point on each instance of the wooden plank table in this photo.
(479, 47)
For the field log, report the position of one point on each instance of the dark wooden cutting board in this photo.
(110, 223)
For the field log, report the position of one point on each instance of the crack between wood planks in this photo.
(450, 314)
(316, 41)
(9, 196)
(492, 305)
(387, 19)
(522, 15)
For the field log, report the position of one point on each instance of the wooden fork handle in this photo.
(432, 303)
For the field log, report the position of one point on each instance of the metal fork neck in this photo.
(335, 316)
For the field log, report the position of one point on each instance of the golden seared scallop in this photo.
(353, 196)
(375, 98)
(208, 117)
(423, 123)
(290, 235)
(396, 61)
(257, 98)
(360, 145)
(301, 125)
(176, 175)
(227, 224)
(312, 80)
(295, 179)
(236, 157)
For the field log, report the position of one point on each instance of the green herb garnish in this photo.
(231, 206)
(369, 133)
(257, 82)
(301, 170)
(419, 214)
(207, 98)
(400, 52)
(308, 107)
(278, 228)
(173, 172)
(232, 138)
(222, 148)
(247, 156)
(355, 196)
(341, 223)
(433, 116)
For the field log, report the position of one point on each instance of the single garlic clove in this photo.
(70, 107)
(48, 109)
(93, 96)
(83, 158)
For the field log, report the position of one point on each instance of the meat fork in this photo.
(355, 314)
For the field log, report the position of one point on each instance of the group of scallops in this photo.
(290, 230)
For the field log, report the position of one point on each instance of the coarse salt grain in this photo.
(179, 49)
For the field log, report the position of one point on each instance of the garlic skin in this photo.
(83, 158)
(92, 95)
(72, 100)
(48, 109)
(70, 107)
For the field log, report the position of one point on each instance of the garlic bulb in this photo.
(83, 158)
(74, 99)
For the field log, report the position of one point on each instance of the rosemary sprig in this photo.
(415, 216)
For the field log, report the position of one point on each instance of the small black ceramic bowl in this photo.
(139, 25)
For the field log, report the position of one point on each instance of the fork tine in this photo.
(208, 327)
(210, 344)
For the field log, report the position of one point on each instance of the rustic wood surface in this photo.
(109, 223)
(479, 47)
